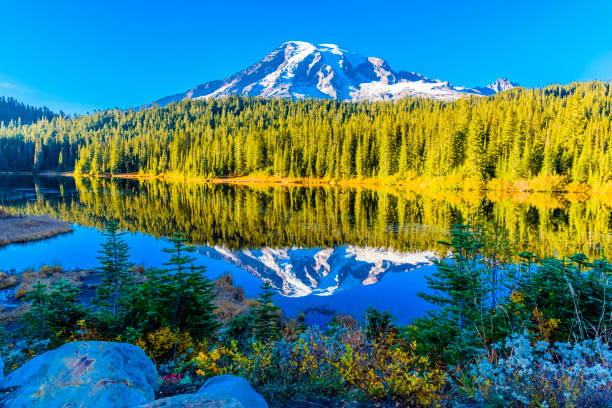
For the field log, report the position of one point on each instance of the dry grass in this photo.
(13, 315)
(8, 281)
(24, 281)
(230, 300)
(31, 228)
(49, 274)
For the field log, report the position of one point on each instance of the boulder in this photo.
(223, 391)
(83, 374)
(195, 401)
(234, 387)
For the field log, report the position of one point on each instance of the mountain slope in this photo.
(303, 70)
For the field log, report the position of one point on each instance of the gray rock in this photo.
(223, 391)
(195, 401)
(83, 374)
(234, 387)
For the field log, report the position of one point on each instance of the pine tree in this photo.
(146, 313)
(116, 287)
(186, 292)
(476, 155)
(378, 324)
(38, 155)
(60, 161)
(65, 309)
(35, 319)
(459, 291)
(53, 314)
(346, 158)
(267, 319)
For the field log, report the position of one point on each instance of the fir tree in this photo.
(147, 313)
(267, 319)
(378, 324)
(459, 290)
(53, 314)
(65, 309)
(115, 290)
(35, 319)
(186, 292)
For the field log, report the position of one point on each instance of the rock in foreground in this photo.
(235, 387)
(195, 401)
(83, 374)
(223, 391)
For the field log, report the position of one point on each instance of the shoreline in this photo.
(517, 190)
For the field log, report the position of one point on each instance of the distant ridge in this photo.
(300, 69)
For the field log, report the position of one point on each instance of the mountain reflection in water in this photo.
(323, 248)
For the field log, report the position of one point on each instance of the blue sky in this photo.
(85, 55)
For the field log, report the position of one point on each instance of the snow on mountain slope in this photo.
(502, 84)
(298, 272)
(299, 69)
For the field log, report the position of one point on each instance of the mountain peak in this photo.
(502, 84)
(297, 43)
(300, 69)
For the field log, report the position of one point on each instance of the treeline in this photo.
(18, 152)
(519, 134)
(20, 113)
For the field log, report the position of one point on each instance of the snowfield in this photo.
(300, 69)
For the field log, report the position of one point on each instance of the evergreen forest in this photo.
(557, 131)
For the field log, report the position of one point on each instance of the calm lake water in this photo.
(325, 250)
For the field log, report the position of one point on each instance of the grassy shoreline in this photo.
(18, 230)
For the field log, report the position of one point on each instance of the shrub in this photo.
(518, 373)
(383, 370)
(329, 364)
(7, 280)
(549, 184)
(230, 301)
(379, 324)
(166, 344)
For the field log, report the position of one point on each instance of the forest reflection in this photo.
(239, 217)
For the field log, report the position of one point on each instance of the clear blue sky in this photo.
(84, 55)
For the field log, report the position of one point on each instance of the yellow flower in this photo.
(517, 297)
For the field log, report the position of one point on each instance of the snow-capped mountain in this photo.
(297, 272)
(303, 70)
(502, 84)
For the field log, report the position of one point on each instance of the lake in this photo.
(326, 250)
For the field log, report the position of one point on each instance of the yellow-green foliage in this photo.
(166, 344)
(381, 369)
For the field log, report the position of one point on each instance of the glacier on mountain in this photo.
(300, 69)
